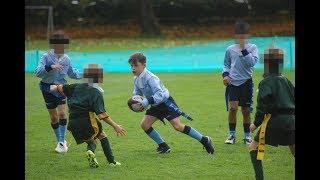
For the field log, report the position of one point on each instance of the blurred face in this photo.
(59, 49)
(94, 80)
(137, 68)
(241, 38)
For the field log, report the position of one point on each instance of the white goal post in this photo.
(50, 17)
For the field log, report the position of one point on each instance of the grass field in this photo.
(199, 94)
(113, 44)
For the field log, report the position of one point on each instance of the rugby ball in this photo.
(134, 103)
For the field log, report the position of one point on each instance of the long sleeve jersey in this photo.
(149, 85)
(275, 95)
(239, 64)
(49, 76)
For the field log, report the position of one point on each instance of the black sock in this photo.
(186, 129)
(63, 122)
(257, 165)
(232, 126)
(91, 146)
(164, 144)
(107, 149)
(55, 126)
(246, 127)
(204, 140)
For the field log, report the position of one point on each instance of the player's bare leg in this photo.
(146, 125)
(177, 125)
(53, 115)
(147, 122)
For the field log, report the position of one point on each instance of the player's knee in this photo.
(253, 146)
(54, 118)
(178, 127)
(62, 115)
(144, 125)
(233, 109)
(245, 110)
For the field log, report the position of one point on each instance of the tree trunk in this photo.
(148, 22)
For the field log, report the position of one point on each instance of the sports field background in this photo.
(187, 56)
(204, 57)
(199, 94)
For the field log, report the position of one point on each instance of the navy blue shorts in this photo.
(52, 100)
(242, 93)
(161, 111)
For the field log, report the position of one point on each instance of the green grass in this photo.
(113, 44)
(199, 94)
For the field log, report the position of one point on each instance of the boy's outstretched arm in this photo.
(118, 128)
(97, 104)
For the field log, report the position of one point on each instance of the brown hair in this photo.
(59, 37)
(137, 57)
(94, 72)
(241, 27)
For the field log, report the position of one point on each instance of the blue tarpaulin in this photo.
(204, 57)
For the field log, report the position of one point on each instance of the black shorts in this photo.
(161, 111)
(84, 128)
(281, 134)
(242, 93)
(52, 101)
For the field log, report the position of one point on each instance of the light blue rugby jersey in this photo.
(149, 85)
(237, 66)
(56, 77)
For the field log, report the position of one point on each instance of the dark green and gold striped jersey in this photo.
(275, 97)
(83, 99)
(86, 107)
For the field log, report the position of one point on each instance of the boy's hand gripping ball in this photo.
(135, 103)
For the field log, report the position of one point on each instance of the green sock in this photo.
(257, 165)
(107, 149)
(91, 146)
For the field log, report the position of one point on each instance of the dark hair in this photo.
(241, 27)
(137, 57)
(94, 72)
(59, 37)
(273, 61)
